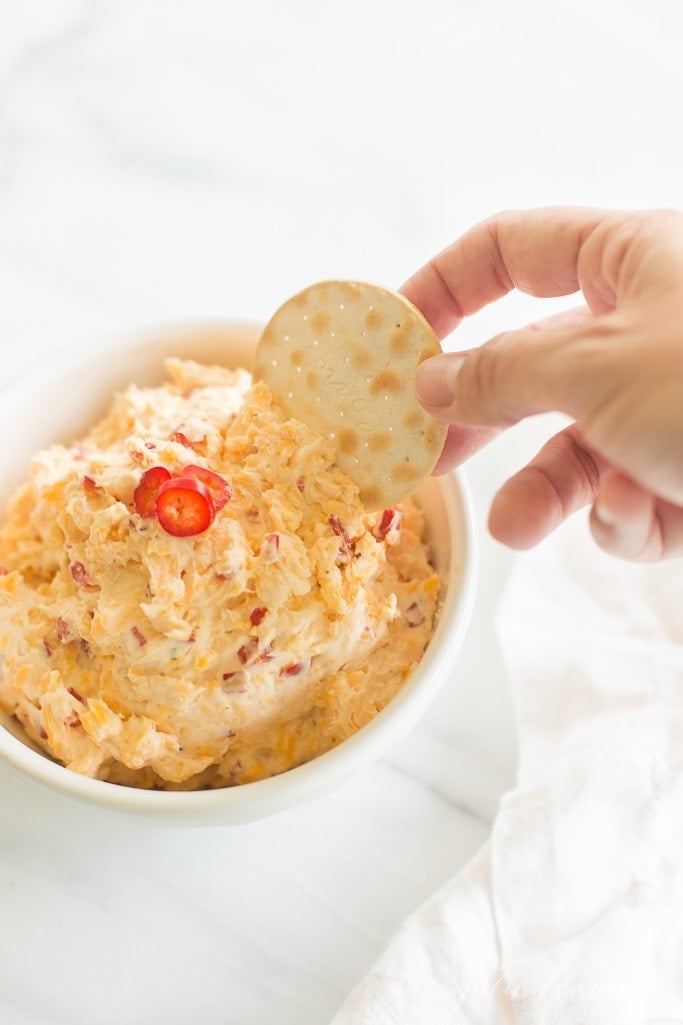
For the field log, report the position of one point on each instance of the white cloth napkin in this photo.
(573, 912)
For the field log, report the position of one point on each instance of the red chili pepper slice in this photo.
(184, 506)
(145, 494)
(220, 490)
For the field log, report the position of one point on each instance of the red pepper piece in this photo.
(184, 506)
(221, 492)
(265, 655)
(139, 636)
(296, 668)
(346, 544)
(181, 439)
(414, 615)
(80, 576)
(145, 494)
(391, 520)
(248, 650)
(257, 615)
(199, 445)
(270, 547)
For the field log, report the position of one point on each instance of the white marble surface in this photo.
(173, 159)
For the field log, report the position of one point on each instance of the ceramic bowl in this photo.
(58, 401)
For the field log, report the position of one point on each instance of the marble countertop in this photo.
(178, 160)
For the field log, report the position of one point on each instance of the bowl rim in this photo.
(260, 798)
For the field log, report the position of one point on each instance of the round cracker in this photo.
(341, 356)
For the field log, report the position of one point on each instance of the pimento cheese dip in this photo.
(272, 634)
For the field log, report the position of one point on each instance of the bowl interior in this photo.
(59, 401)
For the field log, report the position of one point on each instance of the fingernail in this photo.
(436, 377)
(603, 513)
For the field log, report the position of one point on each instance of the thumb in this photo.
(557, 364)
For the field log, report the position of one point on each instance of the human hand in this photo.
(615, 366)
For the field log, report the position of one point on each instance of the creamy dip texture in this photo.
(133, 655)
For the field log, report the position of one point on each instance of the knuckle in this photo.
(568, 450)
(484, 382)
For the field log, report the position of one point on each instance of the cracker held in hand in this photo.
(341, 356)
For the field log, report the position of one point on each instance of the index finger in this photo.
(535, 251)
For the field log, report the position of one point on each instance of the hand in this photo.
(615, 366)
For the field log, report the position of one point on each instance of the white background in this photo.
(206, 159)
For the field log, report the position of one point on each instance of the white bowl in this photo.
(58, 401)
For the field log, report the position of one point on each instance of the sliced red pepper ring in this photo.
(221, 492)
(145, 494)
(184, 506)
